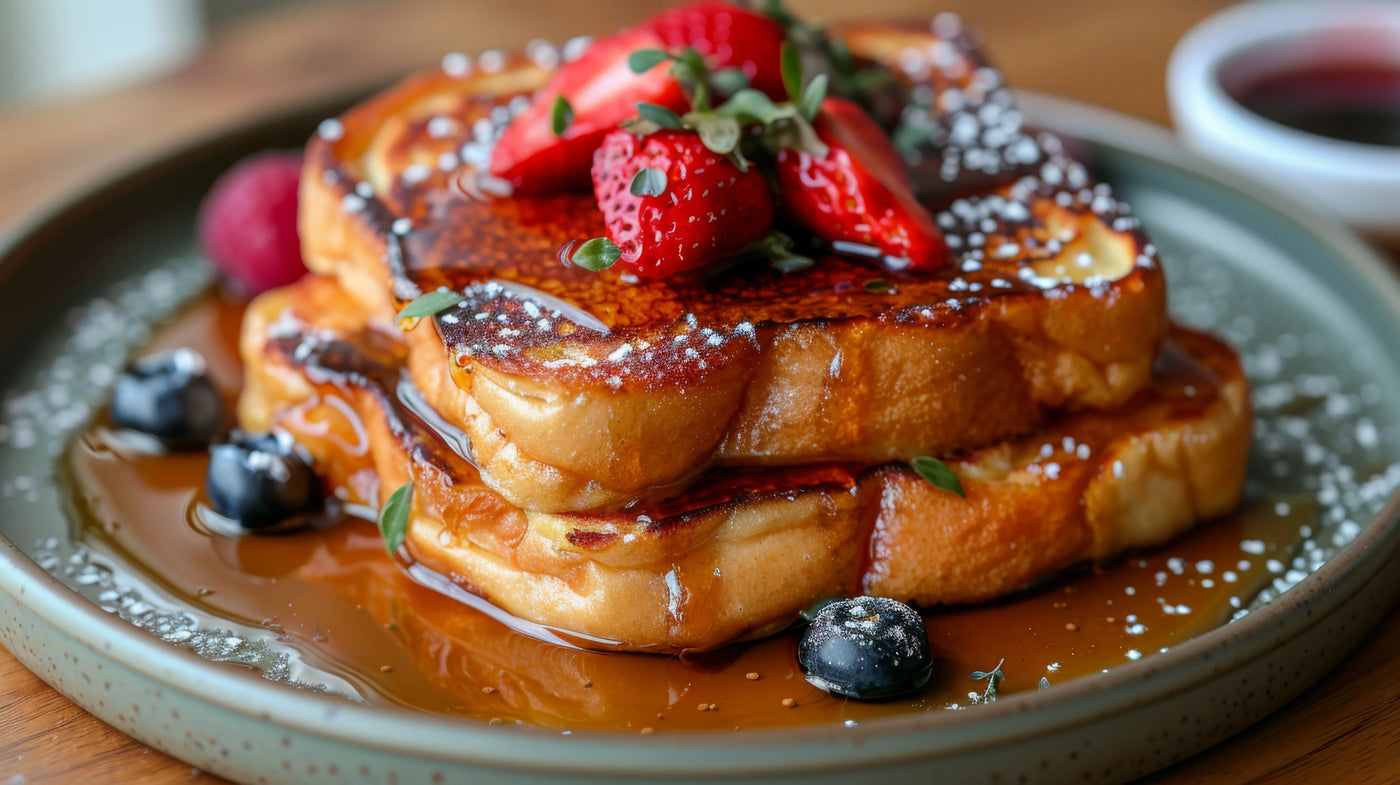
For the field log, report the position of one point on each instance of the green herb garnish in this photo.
(393, 517)
(810, 612)
(597, 254)
(773, 9)
(648, 181)
(992, 677)
(776, 247)
(878, 286)
(812, 97)
(791, 64)
(718, 133)
(561, 115)
(937, 474)
(729, 80)
(656, 113)
(429, 304)
(644, 60)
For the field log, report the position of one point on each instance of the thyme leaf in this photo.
(648, 181)
(597, 254)
(429, 304)
(644, 60)
(561, 115)
(393, 517)
(791, 64)
(658, 114)
(937, 474)
(813, 96)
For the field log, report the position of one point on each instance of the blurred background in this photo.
(55, 48)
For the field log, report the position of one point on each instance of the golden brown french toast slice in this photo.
(743, 550)
(585, 391)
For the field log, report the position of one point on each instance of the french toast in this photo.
(690, 448)
(582, 391)
(741, 552)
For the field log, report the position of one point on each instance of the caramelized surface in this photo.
(741, 552)
(590, 392)
(406, 167)
(337, 598)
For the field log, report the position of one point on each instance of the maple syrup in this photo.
(336, 597)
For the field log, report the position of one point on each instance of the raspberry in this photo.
(248, 222)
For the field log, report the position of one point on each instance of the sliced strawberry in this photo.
(706, 209)
(727, 36)
(602, 91)
(859, 192)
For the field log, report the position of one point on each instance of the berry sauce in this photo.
(1351, 103)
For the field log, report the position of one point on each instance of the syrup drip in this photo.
(335, 596)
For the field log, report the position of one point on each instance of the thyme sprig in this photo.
(993, 678)
(785, 125)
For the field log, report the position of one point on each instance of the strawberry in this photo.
(688, 206)
(727, 37)
(859, 191)
(248, 222)
(601, 91)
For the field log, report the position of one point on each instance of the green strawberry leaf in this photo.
(429, 304)
(393, 517)
(937, 474)
(597, 254)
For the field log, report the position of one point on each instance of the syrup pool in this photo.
(353, 615)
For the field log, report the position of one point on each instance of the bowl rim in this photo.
(1201, 104)
(819, 748)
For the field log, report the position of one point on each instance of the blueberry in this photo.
(169, 396)
(261, 481)
(866, 648)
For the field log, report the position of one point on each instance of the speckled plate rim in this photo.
(756, 752)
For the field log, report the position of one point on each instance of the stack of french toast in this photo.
(670, 462)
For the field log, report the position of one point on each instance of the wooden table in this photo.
(1108, 53)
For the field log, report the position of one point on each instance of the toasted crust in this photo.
(743, 551)
(581, 392)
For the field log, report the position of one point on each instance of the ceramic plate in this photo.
(1312, 310)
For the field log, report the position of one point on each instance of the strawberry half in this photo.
(691, 208)
(727, 37)
(859, 192)
(601, 91)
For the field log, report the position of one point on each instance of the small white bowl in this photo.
(1359, 183)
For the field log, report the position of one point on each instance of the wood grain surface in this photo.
(1106, 52)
